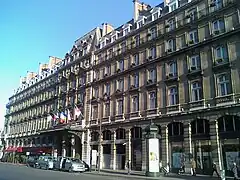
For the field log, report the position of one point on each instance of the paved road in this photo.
(18, 172)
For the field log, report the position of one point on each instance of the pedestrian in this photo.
(235, 171)
(129, 167)
(160, 166)
(182, 170)
(166, 169)
(193, 167)
(214, 169)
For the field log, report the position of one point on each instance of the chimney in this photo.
(136, 10)
(106, 28)
(138, 7)
(53, 61)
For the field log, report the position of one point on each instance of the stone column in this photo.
(64, 140)
(216, 145)
(128, 146)
(86, 148)
(73, 146)
(113, 151)
(187, 144)
(144, 150)
(165, 145)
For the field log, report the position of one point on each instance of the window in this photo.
(126, 31)
(107, 70)
(155, 16)
(216, 4)
(102, 44)
(135, 80)
(153, 53)
(193, 37)
(220, 54)
(170, 45)
(96, 75)
(137, 40)
(171, 25)
(172, 69)
(152, 75)
(135, 105)
(121, 65)
(196, 91)
(120, 106)
(152, 98)
(120, 84)
(84, 51)
(123, 46)
(107, 88)
(135, 59)
(140, 24)
(110, 53)
(223, 83)
(195, 63)
(95, 112)
(96, 93)
(218, 27)
(172, 94)
(107, 109)
(153, 33)
(114, 38)
(173, 7)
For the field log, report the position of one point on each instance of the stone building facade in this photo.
(176, 65)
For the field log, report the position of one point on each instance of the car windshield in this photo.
(76, 160)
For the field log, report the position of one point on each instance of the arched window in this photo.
(94, 136)
(120, 133)
(229, 123)
(136, 133)
(200, 126)
(175, 129)
(107, 135)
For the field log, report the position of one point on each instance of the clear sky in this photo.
(33, 30)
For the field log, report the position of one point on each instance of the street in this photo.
(21, 172)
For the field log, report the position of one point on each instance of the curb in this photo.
(123, 175)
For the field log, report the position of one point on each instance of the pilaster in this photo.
(113, 151)
(187, 144)
(128, 146)
(86, 149)
(165, 145)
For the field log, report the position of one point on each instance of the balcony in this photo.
(152, 112)
(171, 77)
(94, 122)
(195, 105)
(118, 92)
(173, 109)
(134, 88)
(106, 120)
(194, 72)
(94, 100)
(221, 64)
(225, 100)
(151, 83)
(135, 115)
(119, 118)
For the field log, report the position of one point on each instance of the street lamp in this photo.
(99, 146)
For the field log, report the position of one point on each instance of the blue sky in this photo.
(33, 30)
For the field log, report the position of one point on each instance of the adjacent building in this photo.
(176, 65)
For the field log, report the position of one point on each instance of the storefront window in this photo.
(177, 154)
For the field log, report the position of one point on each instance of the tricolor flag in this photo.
(69, 117)
(77, 112)
(54, 119)
(63, 118)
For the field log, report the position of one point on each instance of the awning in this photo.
(10, 149)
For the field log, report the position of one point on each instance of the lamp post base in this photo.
(152, 174)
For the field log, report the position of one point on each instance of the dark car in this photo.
(87, 167)
(32, 161)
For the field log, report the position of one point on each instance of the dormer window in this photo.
(140, 24)
(102, 44)
(114, 38)
(126, 31)
(155, 16)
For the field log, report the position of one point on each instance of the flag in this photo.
(54, 119)
(77, 112)
(69, 117)
(63, 118)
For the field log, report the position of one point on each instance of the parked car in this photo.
(45, 162)
(32, 161)
(87, 167)
(69, 164)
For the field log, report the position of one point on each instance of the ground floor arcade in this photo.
(206, 137)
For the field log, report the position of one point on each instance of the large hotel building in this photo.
(176, 65)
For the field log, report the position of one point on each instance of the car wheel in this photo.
(70, 170)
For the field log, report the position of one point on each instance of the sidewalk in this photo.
(141, 175)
